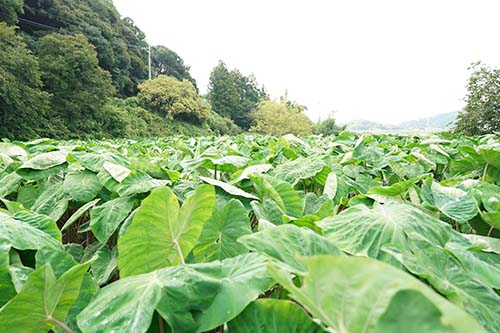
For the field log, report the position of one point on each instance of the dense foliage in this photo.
(481, 114)
(167, 62)
(173, 98)
(359, 234)
(23, 104)
(233, 95)
(281, 117)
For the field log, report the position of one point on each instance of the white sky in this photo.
(383, 60)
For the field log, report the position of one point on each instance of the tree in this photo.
(23, 104)
(9, 10)
(173, 99)
(79, 87)
(279, 118)
(234, 95)
(166, 62)
(328, 127)
(120, 44)
(481, 114)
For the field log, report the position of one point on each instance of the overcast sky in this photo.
(383, 60)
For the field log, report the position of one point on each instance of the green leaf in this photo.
(9, 184)
(287, 243)
(45, 161)
(218, 239)
(453, 202)
(351, 294)
(104, 265)
(302, 168)
(253, 169)
(43, 301)
(231, 189)
(82, 186)
(330, 188)
(118, 172)
(363, 231)
(244, 278)
(105, 219)
(160, 233)
(7, 289)
(273, 316)
(419, 315)
(448, 276)
(23, 235)
(13, 151)
(139, 182)
(127, 305)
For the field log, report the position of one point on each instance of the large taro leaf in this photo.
(363, 231)
(27, 234)
(244, 278)
(352, 294)
(127, 305)
(82, 186)
(449, 277)
(302, 168)
(483, 266)
(273, 316)
(162, 234)
(9, 183)
(419, 315)
(61, 261)
(105, 219)
(44, 301)
(45, 161)
(139, 182)
(286, 243)
(218, 239)
(452, 202)
(7, 289)
(231, 189)
(281, 192)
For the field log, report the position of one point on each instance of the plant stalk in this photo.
(179, 251)
(60, 324)
(484, 172)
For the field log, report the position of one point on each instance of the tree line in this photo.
(77, 69)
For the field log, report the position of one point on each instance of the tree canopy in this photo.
(78, 86)
(233, 95)
(173, 98)
(23, 104)
(167, 62)
(481, 114)
(281, 117)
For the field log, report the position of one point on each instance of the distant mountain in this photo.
(439, 122)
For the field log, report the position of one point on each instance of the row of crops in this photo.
(351, 234)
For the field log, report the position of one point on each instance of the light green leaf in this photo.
(231, 189)
(244, 278)
(76, 215)
(218, 239)
(351, 294)
(43, 301)
(118, 172)
(449, 277)
(302, 168)
(273, 316)
(127, 305)
(286, 243)
(139, 182)
(7, 289)
(45, 161)
(105, 219)
(23, 235)
(330, 188)
(160, 233)
(362, 231)
(82, 186)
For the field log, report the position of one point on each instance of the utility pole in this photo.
(149, 60)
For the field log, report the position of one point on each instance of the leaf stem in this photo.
(179, 251)
(161, 324)
(485, 170)
(60, 324)
(490, 231)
